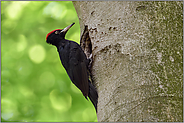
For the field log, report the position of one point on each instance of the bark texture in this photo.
(137, 59)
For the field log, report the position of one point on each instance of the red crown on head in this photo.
(52, 32)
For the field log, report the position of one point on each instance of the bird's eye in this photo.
(56, 32)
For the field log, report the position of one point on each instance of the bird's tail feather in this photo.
(93, 95)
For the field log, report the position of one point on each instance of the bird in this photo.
(74, 61)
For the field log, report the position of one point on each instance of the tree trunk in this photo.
(137, 59)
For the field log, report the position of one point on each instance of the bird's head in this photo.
(55, 36)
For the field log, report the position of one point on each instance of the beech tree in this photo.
(137, 58)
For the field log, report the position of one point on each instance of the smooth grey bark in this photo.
(137, 58)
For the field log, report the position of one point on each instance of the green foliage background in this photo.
(34, 84)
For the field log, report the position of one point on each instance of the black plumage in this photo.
(74, 61)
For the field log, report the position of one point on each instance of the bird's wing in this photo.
(78, 69)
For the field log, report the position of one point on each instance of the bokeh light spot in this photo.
(47, 79)
(8, 108)
(60, 101)
(26, 91)
(9, 26)
(14, 11)
(55, 10)
(22, 44)
(76, 117)
(86, 114)
(37, 54)
(7, 116)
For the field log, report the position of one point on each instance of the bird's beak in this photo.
(67, 28)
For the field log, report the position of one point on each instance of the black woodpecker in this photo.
(74, 61)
